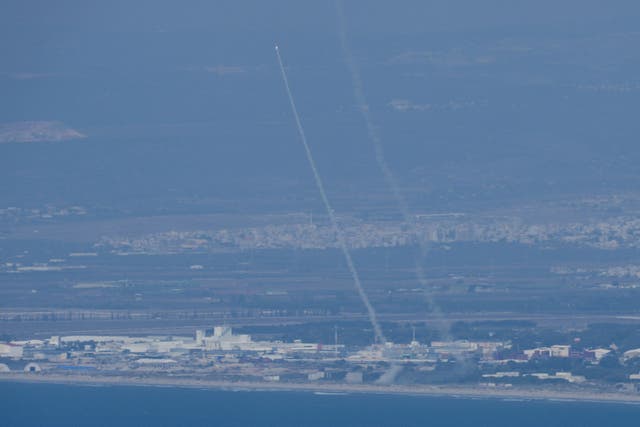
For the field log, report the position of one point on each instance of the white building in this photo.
(560, 350)
(508, 374)
(631, 353)
(553, 351)
(599, 353)
(566, 376)
(11, 350)
(223, 339)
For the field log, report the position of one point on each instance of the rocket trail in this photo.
(374, 137)
(332, 217)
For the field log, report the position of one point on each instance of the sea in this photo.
(31, 404)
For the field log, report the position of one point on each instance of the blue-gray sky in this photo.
(486, 99)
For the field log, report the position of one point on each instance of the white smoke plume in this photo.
(374, 137)
(389, 376)
(380, 338)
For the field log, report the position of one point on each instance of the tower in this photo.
(414, 343)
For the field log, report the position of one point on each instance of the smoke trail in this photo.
(334, 223)
(389, 377)
(408, 218)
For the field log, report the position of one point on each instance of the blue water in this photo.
(65, 405)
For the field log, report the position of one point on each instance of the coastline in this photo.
(470, 392)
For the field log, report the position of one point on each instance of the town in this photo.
(219, 354)
(302, 233)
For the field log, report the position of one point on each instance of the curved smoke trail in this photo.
(374, 137)
(334, 223)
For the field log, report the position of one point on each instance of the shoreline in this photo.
(469, 392)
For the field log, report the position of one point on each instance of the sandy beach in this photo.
(435, 391)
